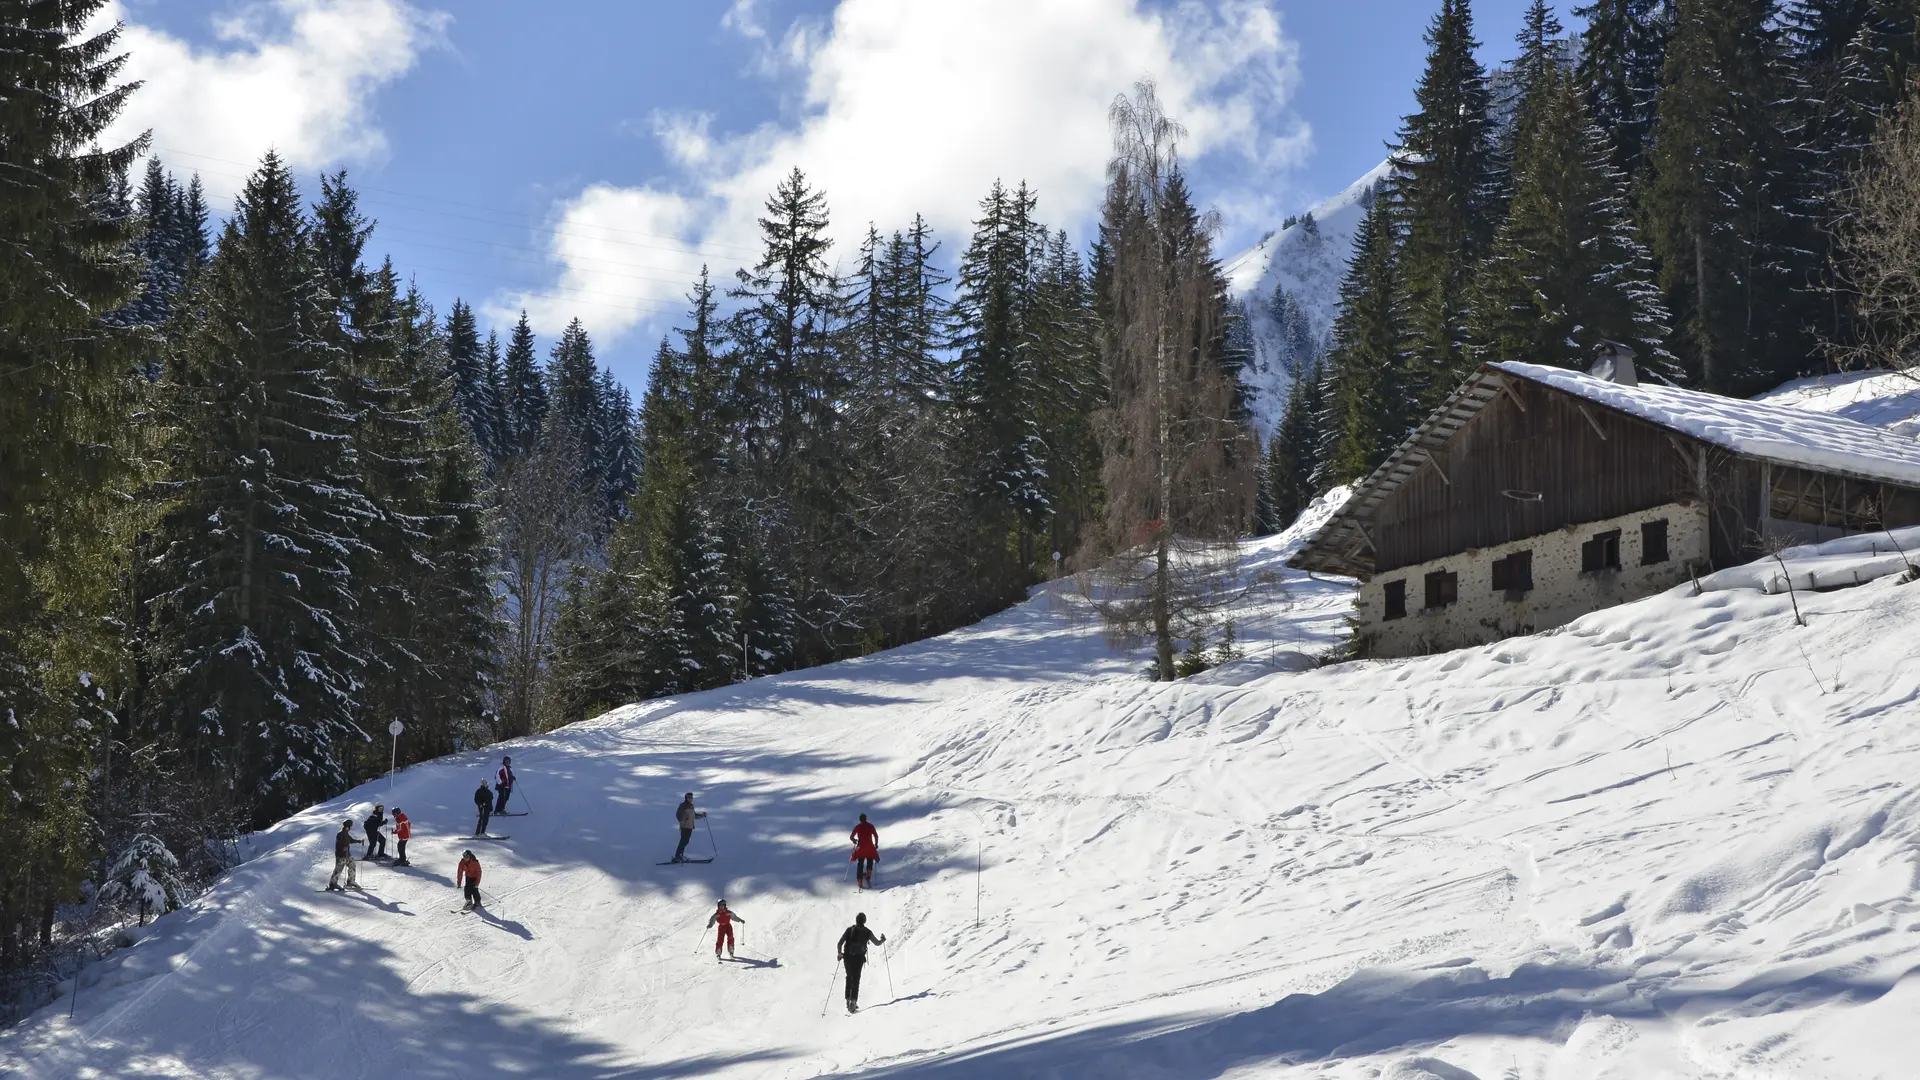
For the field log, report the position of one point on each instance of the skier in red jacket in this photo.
(866, 851)
(468, 875)
(402, 832)
(725, 919)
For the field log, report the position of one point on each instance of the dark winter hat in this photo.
(506, 761)
(689, 794)
(861, 918)
(863, 817)
(347, 824)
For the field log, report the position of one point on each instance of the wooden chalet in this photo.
(1534, 495)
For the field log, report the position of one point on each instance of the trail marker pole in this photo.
(393, 754)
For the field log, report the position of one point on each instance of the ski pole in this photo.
(710, 839)
(523, 798)
(888, 957)
(832, 975)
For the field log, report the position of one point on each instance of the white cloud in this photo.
(908, 108)
(297, 76)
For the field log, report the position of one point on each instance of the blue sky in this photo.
(586, 158)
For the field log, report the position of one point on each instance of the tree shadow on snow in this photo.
(307, 1001)
(1374, 1012)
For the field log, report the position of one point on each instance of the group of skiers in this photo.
(376, 842)
(850, 952)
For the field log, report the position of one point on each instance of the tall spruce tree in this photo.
(1288, 469)
(1368, 407)
(64, 262)
(1731, 238)
(790, 382)
(476, 394)
(260, 674)
(1567, 272)
(524, 400)
(996, 376)
(1444, 181)
(1621, 51)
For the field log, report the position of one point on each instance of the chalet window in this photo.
(1443, 588)
(1513, 575)
(1397, 599)
(1601, 553)
(1653, 542)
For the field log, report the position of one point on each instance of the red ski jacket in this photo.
(402, 826)
(866, 841)
(469, 871)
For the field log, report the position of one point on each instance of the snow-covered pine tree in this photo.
(493, 373)
(252, 627)
(475, 392)
(1070, 388)
(1369, 409)
(144, 875)
(995, 384)
(1730, 238)
(618, 467)
(1621, 51)
(788, 394)
(1444, 183)
(1293, 453)
(1567, 271)
(524, 400)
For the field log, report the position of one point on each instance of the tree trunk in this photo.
(1162, 569)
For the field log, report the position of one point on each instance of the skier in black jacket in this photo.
(853, 953)
(482, 801)
(376, 840)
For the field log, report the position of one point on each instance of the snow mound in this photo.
(1883, 399)
(1676, 838)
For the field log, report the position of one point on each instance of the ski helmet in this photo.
(467, 854)
(860, 919)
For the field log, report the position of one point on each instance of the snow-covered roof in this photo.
(1784, 435)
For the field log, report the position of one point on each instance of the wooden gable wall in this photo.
(1584, 461)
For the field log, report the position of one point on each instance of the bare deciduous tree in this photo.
(1178, 463)
(1880, 246)
(543, 523)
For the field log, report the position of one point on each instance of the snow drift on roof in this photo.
(1882, 399)
(1776, 433)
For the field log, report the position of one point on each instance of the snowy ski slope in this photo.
(1674, 839)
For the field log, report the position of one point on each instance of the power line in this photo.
(684, 247)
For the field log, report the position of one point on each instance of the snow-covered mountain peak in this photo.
(1290, 283)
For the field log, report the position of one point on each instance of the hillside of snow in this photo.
(1679, 839)
(1290, 283)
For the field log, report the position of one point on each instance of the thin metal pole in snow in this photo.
(393, 755)
(743, 656)
(832, 975)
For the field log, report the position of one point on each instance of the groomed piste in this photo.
(1673, 839)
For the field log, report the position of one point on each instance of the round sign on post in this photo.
(396, 728)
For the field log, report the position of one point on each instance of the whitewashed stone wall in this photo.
(1561, 591)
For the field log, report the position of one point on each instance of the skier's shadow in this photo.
(508, 925)
(898, 1000)
(392, 907)
(411, 870)
(754, 961)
